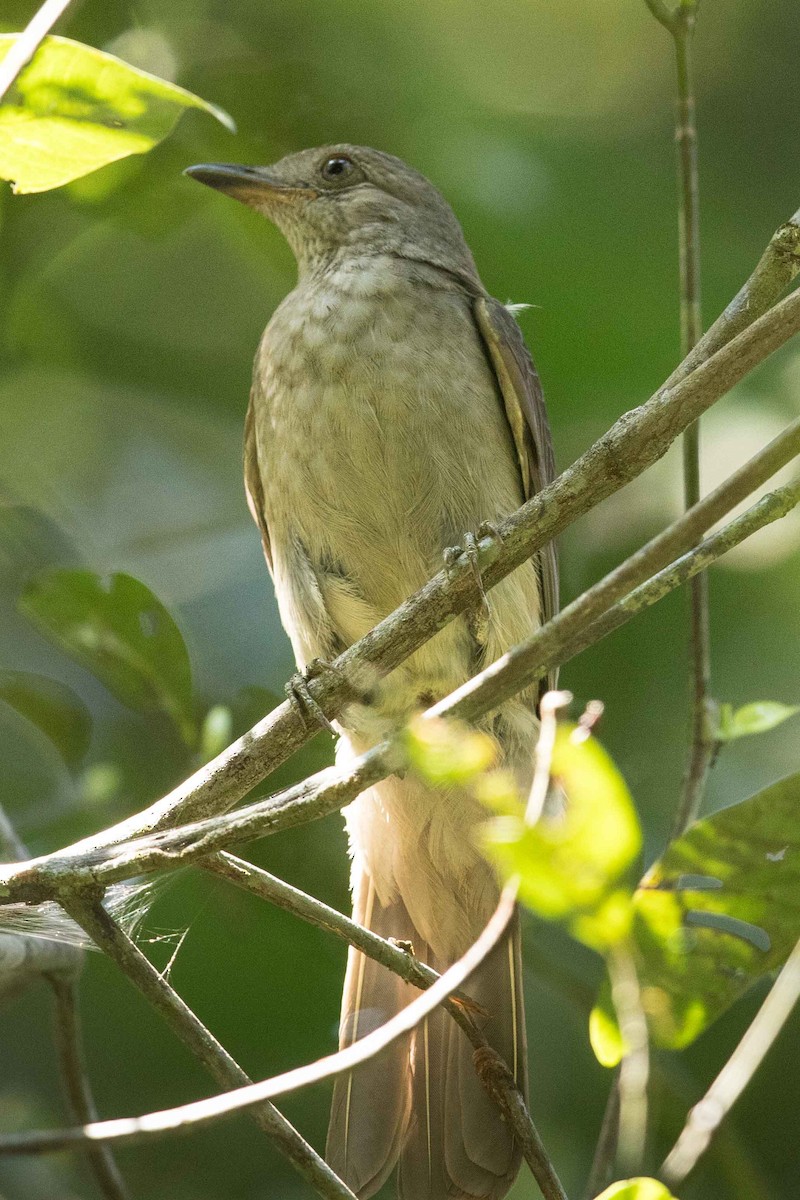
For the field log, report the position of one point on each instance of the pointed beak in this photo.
(251, 185)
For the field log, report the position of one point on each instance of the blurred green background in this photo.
(132, 302)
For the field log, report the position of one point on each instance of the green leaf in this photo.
(758, 717)
(636, 1189)
(120, 632)
(573, 865)
(54, 708)
(719, 911)
(74, 109)
(448, 753)
(216, 731)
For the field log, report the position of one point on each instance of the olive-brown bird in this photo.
(395, 407)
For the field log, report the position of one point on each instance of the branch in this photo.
(493, 1073)
(706, 1117)
(69, 1043)
(702, 741)
(611, 602)
(634, 442)
(570, 630)
(29, 42)
(201, 1112)
(252, 1095)
(107, 935)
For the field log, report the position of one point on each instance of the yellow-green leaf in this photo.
(637, 1189)
(758, 717)
(573, 865)
(448, 753)
(719, 911)
(74, 109)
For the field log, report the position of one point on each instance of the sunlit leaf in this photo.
(74, 109)
(447, 752)
(758, 717)
(636, 1189)
(216, 731)
(53, 707)
(119, 631)
(719, 911)
(573, 865)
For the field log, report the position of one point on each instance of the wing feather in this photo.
(252, 479)
(521, 390)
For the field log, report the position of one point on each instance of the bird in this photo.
(394, 409)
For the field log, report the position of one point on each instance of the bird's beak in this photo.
(251, 185)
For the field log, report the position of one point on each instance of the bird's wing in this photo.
(527, 416)
(252, 479)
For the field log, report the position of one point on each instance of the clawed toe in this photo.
(479, 621)
(299, 695)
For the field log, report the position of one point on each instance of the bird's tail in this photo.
(420, 1104)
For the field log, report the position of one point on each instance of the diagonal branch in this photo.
(29, 41)
(108, 936)
(97, 922)
(492, 1072)
(706, 1116)
(55, 875)
(69, 1042)
(634, 442)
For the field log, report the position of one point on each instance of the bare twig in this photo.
(629, 588)
(29, 42)
(108, 936)
(103, 930)
(702, 740)
(706, 1117)
(606, 1149)
(636, 441)
(635, 1066)
(253, 1095)
(503, 679)
(69, 1043)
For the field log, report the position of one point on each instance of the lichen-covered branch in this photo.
(615, 599)
(107, 935)
(634, 442)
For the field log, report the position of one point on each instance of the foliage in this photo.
(74, 109)
(715, 914)
(123, 634)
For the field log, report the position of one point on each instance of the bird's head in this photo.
(342, 200)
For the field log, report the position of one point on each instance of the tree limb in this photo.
(634, 442)
(107, 935)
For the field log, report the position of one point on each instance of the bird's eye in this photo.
(335, 169)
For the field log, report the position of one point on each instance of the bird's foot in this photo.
(302, 700)
(479, 623)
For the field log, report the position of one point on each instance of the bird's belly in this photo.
(381, 441)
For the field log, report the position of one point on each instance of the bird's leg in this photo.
(299, 695)
(479, 622)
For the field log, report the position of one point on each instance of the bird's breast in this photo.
(381, 438)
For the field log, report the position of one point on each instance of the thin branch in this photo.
(69, 1043)
(252, 1095)
(520, 665)
(634, 1069)
(201, 1112)
(635, 441)
(702, 742)
(706, 1117)
(606, 1149)
(29, 42)
(108, 936)
(628, 589)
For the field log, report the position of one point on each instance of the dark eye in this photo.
(337, 168)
